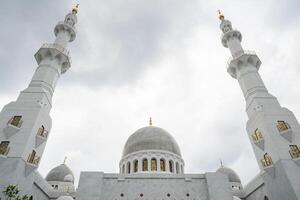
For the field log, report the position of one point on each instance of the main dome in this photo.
(151, 138)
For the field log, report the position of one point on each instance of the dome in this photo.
(61, 173)
(233, 177)
(151, 138)
(65, 198)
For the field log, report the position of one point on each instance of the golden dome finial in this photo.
(221, 16)
(75, 9)
(150, 121)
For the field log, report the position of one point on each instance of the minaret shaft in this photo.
(235, 46)
(63, 38)
(274, 131)
(25, 124)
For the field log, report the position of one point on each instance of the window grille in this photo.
(295, 151)
(257, 135)
(267, 160)
(282, 126)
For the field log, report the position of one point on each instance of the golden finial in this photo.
(75, 9)
(221, 16)
(65, 159)
(150, 121)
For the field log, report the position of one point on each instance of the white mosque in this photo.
(151, 166)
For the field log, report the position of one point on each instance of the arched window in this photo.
(153, 164)
(128, 168)
(135, 166)
(162, 165)
(177, 168)
(145, 164)
(123, 169)
(171, 166)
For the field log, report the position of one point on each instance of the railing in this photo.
(4, 151)
(239, 53)
(16, 123)
(282, 126)
(58, 47)
(257, 135)
(267, 161)
(42, 132)
(295, 151)
(33, 159)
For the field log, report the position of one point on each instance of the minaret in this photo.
(274, 131)
(25, 124)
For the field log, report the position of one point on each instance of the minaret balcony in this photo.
(258, 139)
(54, 51)
(41, 137)
(13, 126)
(260, 143)
(295, 154)
(297, 161)
(268, 165)
(32, 162)
(229, 35)
(242, 58)
(285, 130)
(4, 152)
(64, 26)
(287, 134)
(33, 159)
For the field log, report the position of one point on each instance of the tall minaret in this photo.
(274, 131)
(25, 124)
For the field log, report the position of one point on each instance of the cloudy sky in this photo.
(162, 58)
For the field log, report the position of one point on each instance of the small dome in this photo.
(65, 198)
(233, 177)
(61, 173)
(151, 138)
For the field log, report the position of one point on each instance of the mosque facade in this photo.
(151, 166)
